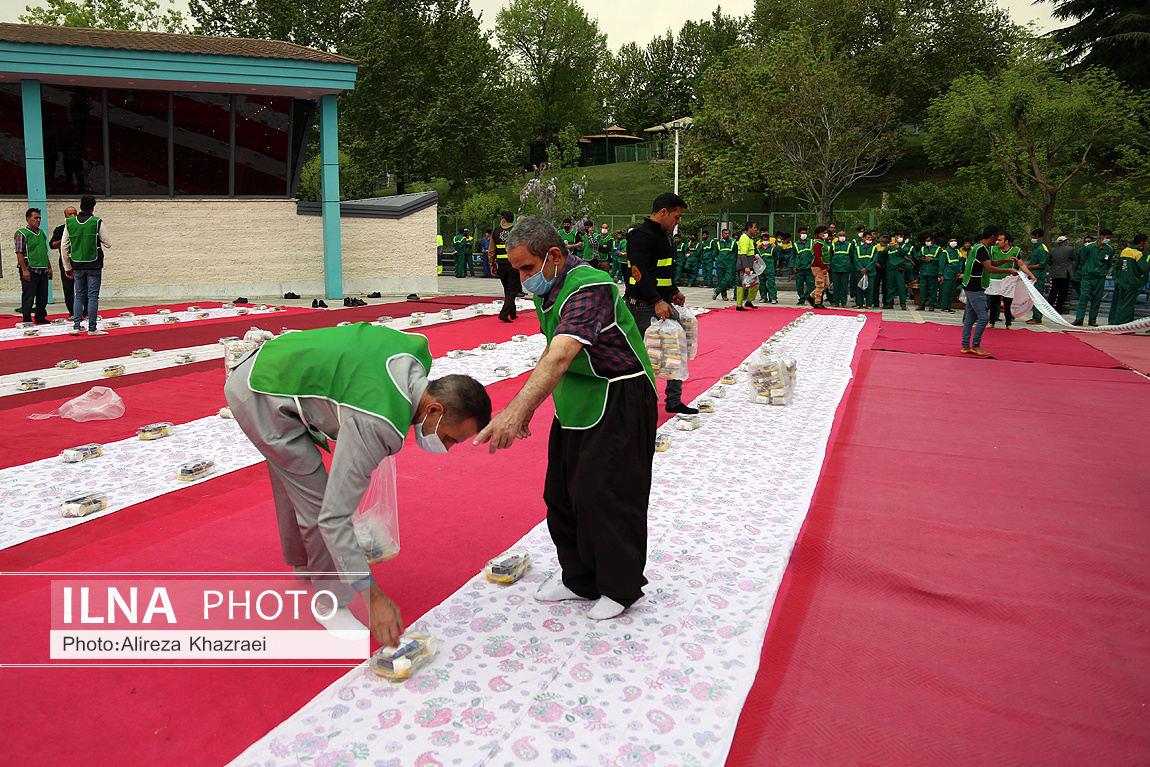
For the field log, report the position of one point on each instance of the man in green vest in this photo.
(35, 268)
(708, 254)
(1130, 271)
(865, 263)
(1039, 259)
(725, 258)
(929, 259)
(602, 439)
(82, 247)
(364, 387)
(801, 265)
(949, 268)
(841, 257)
(572, 239)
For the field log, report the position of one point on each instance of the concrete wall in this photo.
(222, 249)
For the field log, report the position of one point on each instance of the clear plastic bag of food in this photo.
(414, 651)
(154, 430)
(82, 453)
(687, 422)
(456, 354)
(666, 344)
(60, 321)
(185, 358)
(508, 567)
(234, 351)
(29, 332)
(110, 371)
(258, 336)
(662, 442)
(32, 384)
(67, 364)
(718, 391)
(690, 325)
(772, 380)
(487, 346)
(729, 379)
(383, 320)
(25, 325)
(196, 469)
(140, 321)
(163, 311)
(503, 371)
(83, 505)
(445, 314)
(376, 519)
(345, 323)
(171, 318)
(98, 403)
(519, 337)
(142, 352)
(416, 321)
(705, 405)
(419, 315)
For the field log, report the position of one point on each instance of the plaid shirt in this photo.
(588, 316)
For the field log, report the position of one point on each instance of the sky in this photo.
(626, 22)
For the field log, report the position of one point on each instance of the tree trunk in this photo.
(399, 185)
(1046, 218)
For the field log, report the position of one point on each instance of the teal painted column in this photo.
(329, 194)
(34, 155)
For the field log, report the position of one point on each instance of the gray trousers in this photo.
(298, 478)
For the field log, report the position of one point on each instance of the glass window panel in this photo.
(262, 133)
(73, 139)
(201, 142)
(138, 142)
(13, 178)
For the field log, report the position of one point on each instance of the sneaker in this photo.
(740, 308)
(749, 305)
(289, 294)
(376, 294)
(97, 332)
(978, 352)
(321, 304)
(412, 297)
(679, 407)
(347, 301)
(1077, 323)
(314, 303)
(74, 331)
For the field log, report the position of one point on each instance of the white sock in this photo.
(554, 591)
(344, 625)
(605, 608)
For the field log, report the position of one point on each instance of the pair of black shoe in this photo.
(317, 303)
(374, 295)
(289, 294)
(242, 300)
(354, 302)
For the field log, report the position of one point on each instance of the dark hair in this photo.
(802, 228)
(1037, 233)
(487, 231)
(1138, 239)
(668, 200)
(507, 216)
(990, 231)
(462, 398)
(678, 235)
(87, 203)
(820, 229)
(463, 231)
(1106, 233)
(705, 232)
(566, 221)
(747, 226)
(30, 211)
(1006, 236)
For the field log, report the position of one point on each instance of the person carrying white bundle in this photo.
(666, 344)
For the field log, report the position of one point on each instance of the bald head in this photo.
(69, 212)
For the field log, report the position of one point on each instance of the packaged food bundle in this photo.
(259, 336)
(154, 430)
(22, 325)
(532, 361)
(235, 350)
(202, 315)
(718, 390)
(456, 354)
(508, 567)
(226, 412)
(518, 337)
(705, 405)
(67, 364)
(445, 314)
(487, 346)
(171, 318)
(227, 305)
(140, 321)
(503, 371)
(145, 352)
(60, 321)
(32, 384)
(342, 324)
(81, 453)
(861, 318)
(225, 339)
(772, 380)
(728, 379)
(83, 505)
(111, 325)
(126, 315)
(193, 308)
(416, 321)
(666, 344)
(163, 311)
(29, 332)
(419, 315)
(183, 358)
(688, 422)
(383, 320)
(415, 650)
(113, 370)
(743, 367)
(193, 470)
(241, 312)
(690, 325)
(662, 442)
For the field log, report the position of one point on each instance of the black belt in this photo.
(635, 301)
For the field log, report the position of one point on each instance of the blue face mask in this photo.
(538, 283)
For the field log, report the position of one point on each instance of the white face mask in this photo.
(1033, 241)
(1105, 240)
(803, 237)
(604, 230)
(898, 239)
(928, 244)
(953, 244)
(430, 442)
(842, 238)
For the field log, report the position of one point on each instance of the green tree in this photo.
(564, 152)
(142, 15)
(444, 115)
(323, 24)
(555, 53)
(788, 118)
(356, 181)
(959, 209)
(1033, 125)
(481, 210)
(1114, 34)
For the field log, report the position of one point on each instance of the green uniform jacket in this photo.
(804, 256)
(841, 256)
(459, 244)
(1039, 258)
(708, 250)
(1131, 269)
(929, 268)
(1096, 260)
(951, 263)
(902, 255)
(864, 257)
(725, 252)
(783, 255)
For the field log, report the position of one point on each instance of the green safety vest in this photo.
(841, 256)
(970, 261)
(84, 239)
(346, 365)
(37, 248)
(569, 238)
(581, 394)
(930, 268)
(997, 254)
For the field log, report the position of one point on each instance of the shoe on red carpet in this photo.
(740, 308)
(681, 408)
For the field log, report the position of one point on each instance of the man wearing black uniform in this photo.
(651, 288)
(497, 254)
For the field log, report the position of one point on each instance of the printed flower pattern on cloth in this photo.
(522, 682)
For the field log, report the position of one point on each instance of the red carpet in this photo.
(206, 717)
(1131, 350)
(965, 595)
(1018, 345)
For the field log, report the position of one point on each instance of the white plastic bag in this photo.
(376, 519)
(691, 327)
(864, 282)
(750, 280)
(759, 266)
(666, 344)
(96, 404)
(772, 380)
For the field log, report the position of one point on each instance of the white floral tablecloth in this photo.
(520, 682)
(13, 333)
(131, 470)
